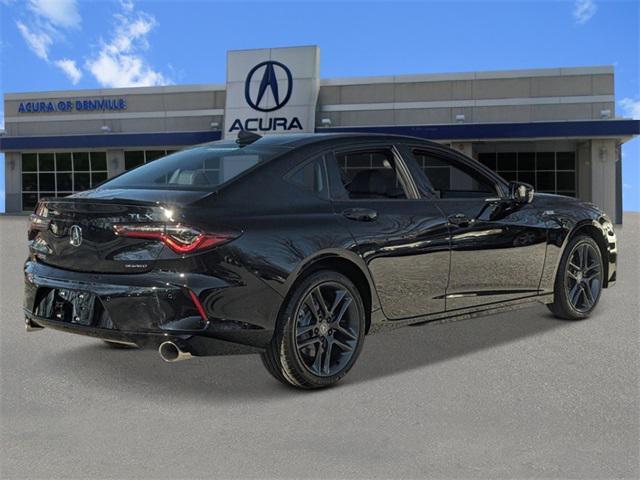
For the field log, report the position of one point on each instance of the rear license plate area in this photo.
(72, 306)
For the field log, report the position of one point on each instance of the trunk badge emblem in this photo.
(75, 236)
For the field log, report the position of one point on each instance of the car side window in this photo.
(371, 174)
(453, 179)
(310, 177)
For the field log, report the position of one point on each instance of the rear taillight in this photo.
(38, 220)
(179, 238)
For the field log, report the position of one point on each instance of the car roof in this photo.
(297, 140)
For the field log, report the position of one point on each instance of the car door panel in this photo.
(497, 256)
(405, 244)
(498, 247)
(407, 251)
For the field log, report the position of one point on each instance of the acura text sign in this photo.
(272, 90)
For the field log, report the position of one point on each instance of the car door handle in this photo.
(460, 219)
(360, 214)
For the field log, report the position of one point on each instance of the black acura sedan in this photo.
(297, 246)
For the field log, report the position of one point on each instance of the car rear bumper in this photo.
(195, 344)
(145, 309)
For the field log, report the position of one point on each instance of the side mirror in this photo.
(520, 192)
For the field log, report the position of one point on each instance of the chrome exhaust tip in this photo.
(30, 326)
(170, 352)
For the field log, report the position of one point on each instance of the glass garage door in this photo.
(548, 172)
(135, 158)
(58, 174)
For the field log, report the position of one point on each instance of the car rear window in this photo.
(200, 168)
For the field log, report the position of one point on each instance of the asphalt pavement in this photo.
(519, 394)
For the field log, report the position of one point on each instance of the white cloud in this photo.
(46, 25)
(630, 107)
(120, 61)
(70, 68)
(127, 5)
(61, 13)
(583, 10)
(38, 42)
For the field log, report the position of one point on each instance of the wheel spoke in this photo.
(343, 346)
(593, 266)
(340, 294)
(326, 367)
(317, 293)
(345, 306)
(585, 256)
(574, 294)
(345, 331)
(571, 274)
(318, 358)
(588, 295)
(576, 267)
(302, 330)
(593, 274)
(578, 258)
(309, 341)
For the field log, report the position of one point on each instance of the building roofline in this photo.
(479, 75)
(409, 78)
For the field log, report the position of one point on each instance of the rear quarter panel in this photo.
(284, 229)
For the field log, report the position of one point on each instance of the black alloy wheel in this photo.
(321, 334)
(584, 277)
(579, 280)
(326, 329)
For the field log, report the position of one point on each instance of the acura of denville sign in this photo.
(84, 105)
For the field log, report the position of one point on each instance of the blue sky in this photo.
(63, 44)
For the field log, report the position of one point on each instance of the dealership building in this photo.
(555, 128)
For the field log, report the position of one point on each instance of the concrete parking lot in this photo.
(515, 395)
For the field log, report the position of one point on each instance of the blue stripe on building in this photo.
(108, 140)
(587, 128)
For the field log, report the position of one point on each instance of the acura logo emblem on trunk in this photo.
(75, 236)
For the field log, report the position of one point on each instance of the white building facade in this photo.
(554, 128)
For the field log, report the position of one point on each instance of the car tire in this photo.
(579, 280)
(319, 333)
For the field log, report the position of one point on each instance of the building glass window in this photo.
(548, 172)
(371, 174)
(352, 163)
(135, 158)
(452, 179)
(58, 174)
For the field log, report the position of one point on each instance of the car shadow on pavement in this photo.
(243, 376)
(143, 372)
(423, 345)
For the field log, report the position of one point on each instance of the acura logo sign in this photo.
(280, 88)
(75, 236)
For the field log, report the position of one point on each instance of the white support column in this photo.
(464, 147)
(583, 167)
(115, 162)
(603, 175)
(13, 182)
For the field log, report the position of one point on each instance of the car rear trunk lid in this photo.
(77, 233)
